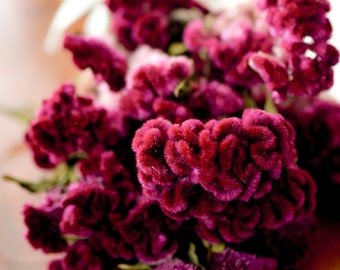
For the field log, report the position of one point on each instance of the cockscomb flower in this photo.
(234, 260)
(176, 264)
(213, 99)
(291, 197)
(148, 22)
(316, 122)
(106, 63)
(291, 245)
(107, 167)
(225, 158)
(42, 224)
(151, 89)
(282, 44)
(152, 234)
(85, 206)
(66, 124)
(81, 255)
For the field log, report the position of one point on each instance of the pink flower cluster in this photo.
(224, 144)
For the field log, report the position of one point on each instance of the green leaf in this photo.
(24, 115)
(71, 239)
(183, 88)
(177, 48)
(269, 105)
(248, 101)
(33, 187)
(64, 175)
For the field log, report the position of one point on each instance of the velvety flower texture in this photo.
(152, 234)
(282, 44)
(291, 197)
(151, 89)
(106, 63)
(146, 22)
(80, 256)
(85, 207)
(291, 245)
(43, 228)
(176, 264)
(234, 260)
(66, 124)
(316, 122)
(222, 160)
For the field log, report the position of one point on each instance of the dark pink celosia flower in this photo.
(291, 197)
(148, 22)
(80, 255)
(151, 29)
(226, 158)
(155, 83)
(66, 124)
(176, 264)
(214, 99)
(291, 245)
(152, 234)
(106, 63)
(86, 206)
(234, 260)
(318, 144)
(304, 31)
(43, 228)
(282, 45)
(114, 176)
(229, 54)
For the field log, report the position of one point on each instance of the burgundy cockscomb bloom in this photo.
(234, 260)
(291, 197)
(145, 22)
(152, 234)
(214, 99)
(291, 245)
(176, 264)
(80, 255)
(86, 205)
(114, 176)
(226, 158)
(152, 84)
(228, 44)
(67, 123)
(151, 29)
(303, 30)
(43, 228)
(317, 128)
(107, 64)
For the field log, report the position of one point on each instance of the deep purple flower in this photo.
(176, 264)
(152, 85)
(152, 234)
(80, 255)
(318, 145)
(107, 64)
(234, 260)
(226, 158)
(145, 22)
(86, 206)
(212, 99)
(291, 197)
(43, 228)
(66, 124)
(151, 29)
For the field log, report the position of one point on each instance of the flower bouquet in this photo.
(203, 143)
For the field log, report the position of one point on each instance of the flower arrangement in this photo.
(204, 144)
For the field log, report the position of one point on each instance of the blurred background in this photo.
(27, 75)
